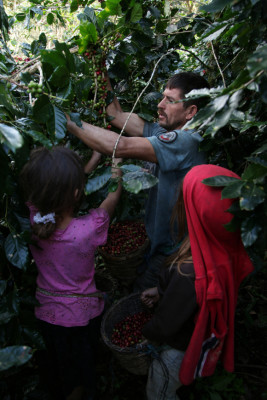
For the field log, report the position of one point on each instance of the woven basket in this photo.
(105, 282)
(123, 266)
(130, 358)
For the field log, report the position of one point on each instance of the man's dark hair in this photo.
(187, 81)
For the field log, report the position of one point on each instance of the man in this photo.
(172, 151)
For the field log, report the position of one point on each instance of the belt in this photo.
(47, 293)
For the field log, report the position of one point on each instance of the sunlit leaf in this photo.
(11, 137)
(17, 251)
(216, 5)
(14, 356)
(97, 182)
(138, 180)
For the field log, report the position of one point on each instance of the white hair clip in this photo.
(38, 219)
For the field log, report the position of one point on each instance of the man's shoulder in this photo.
(153, 129)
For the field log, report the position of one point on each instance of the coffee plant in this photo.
(139, 44)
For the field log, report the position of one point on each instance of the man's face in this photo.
(172, 115)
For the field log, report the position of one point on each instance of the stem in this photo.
(194, 55)
(138, 98)
(218, 65)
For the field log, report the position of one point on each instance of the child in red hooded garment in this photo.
(196, 296)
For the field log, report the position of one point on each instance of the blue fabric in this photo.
(175, 158)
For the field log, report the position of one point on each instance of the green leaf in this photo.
(11, 137)
(146, 117)
(137, 13)
(233, 190)
(254, 171)
(60, 123)
(118, 70)
(50, 18)
(220, 180)
(42, 110)
(98, 182)
(258, 160)
(70, 58)
(53, 57)
(75, 117)
(39, 137)
(127, 48)
(233, 225)
(88, 32)
(74, 6)
(112, 7)
(216, 33)
(3, 285)
(90, 15)
(34, 337)
(251, 196)
(20, 17)
(142, 40)
(216, 5)
(14, 356)
(3, 68)
(249, 231)
(258, 61)
(130, 168)
(136, 181)
(6, 315)
(16, 251)
(152, 96)
(60, 77)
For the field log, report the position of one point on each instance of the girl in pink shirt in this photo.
(63, 247)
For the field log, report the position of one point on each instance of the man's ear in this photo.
(191, 112)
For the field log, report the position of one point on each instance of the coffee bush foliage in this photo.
(140, 44)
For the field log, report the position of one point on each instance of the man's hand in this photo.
(150, 297)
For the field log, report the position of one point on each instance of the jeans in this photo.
(163, 380)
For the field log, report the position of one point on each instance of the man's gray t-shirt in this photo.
(176, 152)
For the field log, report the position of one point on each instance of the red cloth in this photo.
(220, 263)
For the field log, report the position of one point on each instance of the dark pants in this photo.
(71, 357)
(148, 272)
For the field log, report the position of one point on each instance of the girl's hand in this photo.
(93, 162)
(143, 343)
(150, 297)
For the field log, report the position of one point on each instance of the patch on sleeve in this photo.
(168, 137)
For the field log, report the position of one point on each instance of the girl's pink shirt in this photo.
(65, 264)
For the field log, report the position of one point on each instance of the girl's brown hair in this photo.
(53, 181)
(183, 254)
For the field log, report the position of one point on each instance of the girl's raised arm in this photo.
(112, 198)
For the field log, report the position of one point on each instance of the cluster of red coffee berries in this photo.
(125, 237)
(95, 57)
(128, 332)
(97, 96)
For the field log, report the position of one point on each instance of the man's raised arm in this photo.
(135, 124)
